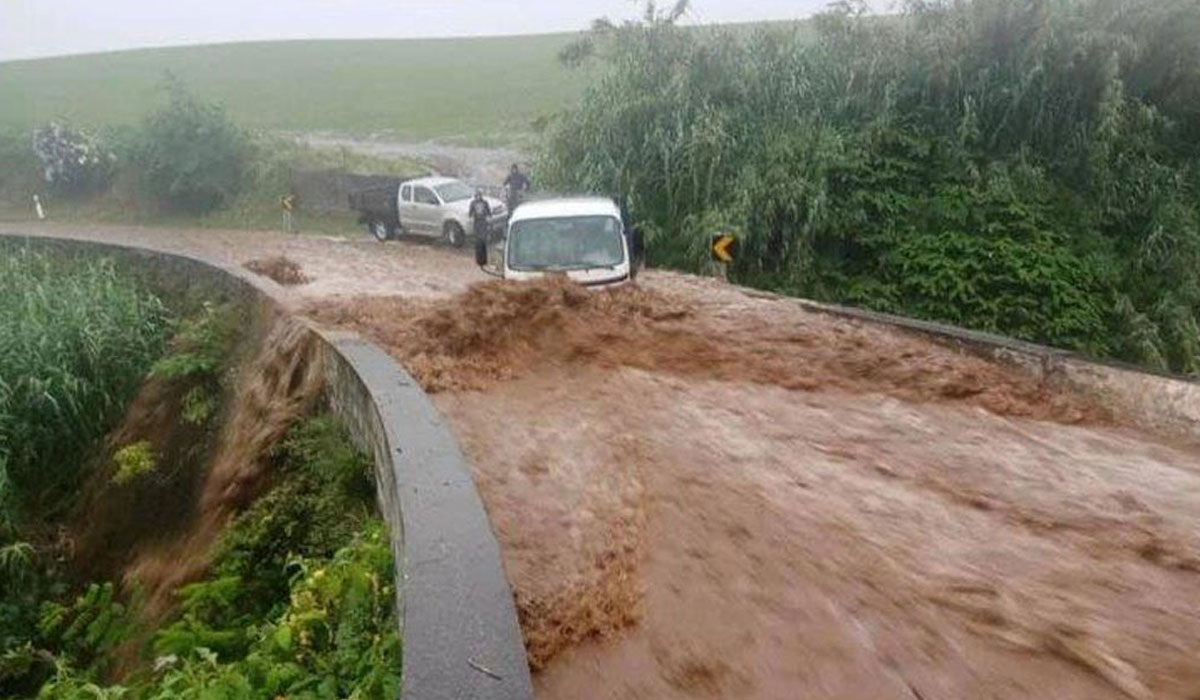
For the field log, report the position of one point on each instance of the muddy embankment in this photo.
(715, 495)
(159, 534)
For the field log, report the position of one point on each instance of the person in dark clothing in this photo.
(632, 235)
(516, 185)
(480, 212)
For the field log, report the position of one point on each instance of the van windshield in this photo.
(568, 243)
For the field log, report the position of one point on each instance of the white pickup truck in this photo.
(431, 206)
(583, 238)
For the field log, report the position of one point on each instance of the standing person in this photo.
(515, 185)
(480, 212)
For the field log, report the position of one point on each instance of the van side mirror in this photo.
(637, 243)
(481, 255)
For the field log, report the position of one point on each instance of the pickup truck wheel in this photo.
(454, 234)
(381, 230)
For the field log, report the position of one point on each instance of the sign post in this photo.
(724, 249)
(287, 203)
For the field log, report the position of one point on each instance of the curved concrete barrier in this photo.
(455, 607)
(1162, 403)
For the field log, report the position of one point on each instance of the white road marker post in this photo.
(37, 207)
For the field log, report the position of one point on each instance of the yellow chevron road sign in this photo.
(724, 247)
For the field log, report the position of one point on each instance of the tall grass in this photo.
(76, 337)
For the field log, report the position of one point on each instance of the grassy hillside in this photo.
(475, 90)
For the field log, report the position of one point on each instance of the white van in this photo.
(584, 238)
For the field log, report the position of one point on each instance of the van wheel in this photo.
(380, 230)
(454, 234)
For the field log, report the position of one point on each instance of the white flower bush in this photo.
(72, 160)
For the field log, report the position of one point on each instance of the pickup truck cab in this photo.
(583, 238)
(436, 207)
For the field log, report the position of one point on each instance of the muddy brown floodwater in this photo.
(703, 493)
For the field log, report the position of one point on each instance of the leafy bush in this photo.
(76, 338)
(198, 405)
(325, 494)
(338, 636)
(201, 345)
(89, 628)
(335, 637)
(323, 497)
(1034, 290)
(73, 161)
(189, 156)
(301, 602)
(16, 562)
(996, 151)
(133, 461)
(24, 584)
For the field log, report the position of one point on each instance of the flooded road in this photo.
(349, 266)
(700, 493)
(703, 493)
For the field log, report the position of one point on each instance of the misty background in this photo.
(38, 28)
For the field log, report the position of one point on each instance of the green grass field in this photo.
(484, 90)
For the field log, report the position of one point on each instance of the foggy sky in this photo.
(33, 28)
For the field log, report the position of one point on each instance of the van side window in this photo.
(406, 193)
(424, 195)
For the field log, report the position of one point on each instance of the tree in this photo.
(191, 157)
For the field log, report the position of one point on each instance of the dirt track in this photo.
(704, 494)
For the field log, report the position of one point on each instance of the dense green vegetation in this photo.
(76, 338)
(299, 603)
(1030, 168)
(298, 600)
(189, 156)
(474, 90)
